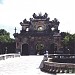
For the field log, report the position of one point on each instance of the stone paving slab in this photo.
(25, 65)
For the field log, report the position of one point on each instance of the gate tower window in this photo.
(40, 28)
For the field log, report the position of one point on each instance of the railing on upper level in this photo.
(6, 56)
(60, 56)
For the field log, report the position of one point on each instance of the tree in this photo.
(68, 40)
(65, 38)
(5, 36)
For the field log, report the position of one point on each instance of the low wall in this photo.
(55, 67)
(6, 56)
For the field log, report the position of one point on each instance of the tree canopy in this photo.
(68, 40)
(5, 36)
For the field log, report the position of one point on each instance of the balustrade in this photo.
(6, 56)
(56, 67)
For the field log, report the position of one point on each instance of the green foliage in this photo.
(68, 40)
(66, 37)
(40, 46)
(5, 36)
(4, 32)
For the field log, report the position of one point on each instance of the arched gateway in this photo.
(38, 35)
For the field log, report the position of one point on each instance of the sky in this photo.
(12, 12)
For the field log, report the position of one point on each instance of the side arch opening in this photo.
(25, 49)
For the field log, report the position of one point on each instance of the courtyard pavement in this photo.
(24, 65)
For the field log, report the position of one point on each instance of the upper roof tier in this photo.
(40, 16)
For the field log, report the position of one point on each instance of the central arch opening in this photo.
(40, 49)
(25, 49)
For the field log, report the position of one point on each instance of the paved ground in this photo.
(25, 65)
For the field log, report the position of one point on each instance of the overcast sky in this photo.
(12, 12)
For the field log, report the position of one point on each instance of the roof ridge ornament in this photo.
(40, 16)
(55, 21)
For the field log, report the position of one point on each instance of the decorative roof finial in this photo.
(15, 29)
(40, 14)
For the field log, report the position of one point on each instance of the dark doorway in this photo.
(25, 49)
